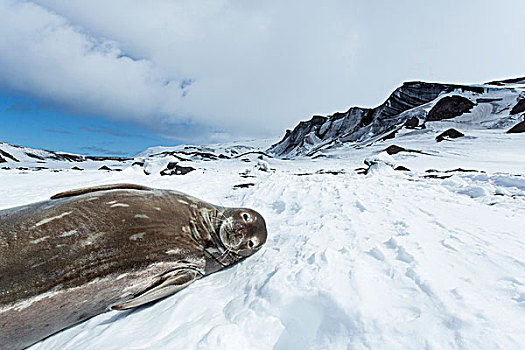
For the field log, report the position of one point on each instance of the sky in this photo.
(115, 77)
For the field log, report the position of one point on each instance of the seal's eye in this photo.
(246, 217)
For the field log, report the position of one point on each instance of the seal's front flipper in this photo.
(168, 284)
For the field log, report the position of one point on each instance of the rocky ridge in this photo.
(411, 106)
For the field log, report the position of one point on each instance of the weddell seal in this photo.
(110, 247)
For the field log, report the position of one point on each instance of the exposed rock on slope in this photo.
(8, 155)
(519, 107)
(450, 107)
(174, 169)
(513, 81)
(449, 134)
(518, 128)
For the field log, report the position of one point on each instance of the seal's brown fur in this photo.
(70, 258)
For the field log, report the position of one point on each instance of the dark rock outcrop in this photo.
(34, 156)
(394, 149)
(519, 107)
(66, 157)
(389, 136)
(243, 185)
(322, 172)
(104, 167)
(174, 169)
(434, 176)
(449, 134)
(2, 160)
(401, 168)
(518, 128)
(298, 137)
(260, 153)
(450, 107)
(508, 81)
(412, 123)
(8, 156)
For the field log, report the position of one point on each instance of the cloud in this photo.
(219, 69)
(55, 131)
(46, 56)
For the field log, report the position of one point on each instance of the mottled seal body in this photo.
(120, 246)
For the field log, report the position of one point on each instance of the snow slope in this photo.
(428, 258)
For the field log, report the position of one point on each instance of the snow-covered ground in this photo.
(387, 260)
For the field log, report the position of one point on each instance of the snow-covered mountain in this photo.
(26, 158)
(414, 105)
(176, 160)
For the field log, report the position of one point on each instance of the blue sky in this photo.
(94, 76)
(24, 122)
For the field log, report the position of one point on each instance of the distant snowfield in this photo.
(387, 260)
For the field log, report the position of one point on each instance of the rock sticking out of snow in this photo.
(174, 169)
(518, 107)
(263, 165)
(450, 107)
(518, 128)
(449, 134)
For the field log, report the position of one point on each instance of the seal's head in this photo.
(242, 231)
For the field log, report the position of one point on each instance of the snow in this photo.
(387, 260)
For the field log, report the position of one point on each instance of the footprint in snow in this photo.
(401, 228)
(404, 256)
(376, 253)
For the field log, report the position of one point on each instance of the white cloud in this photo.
(256, 67)
(46, 56)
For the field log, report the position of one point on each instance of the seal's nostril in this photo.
(250, 244)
